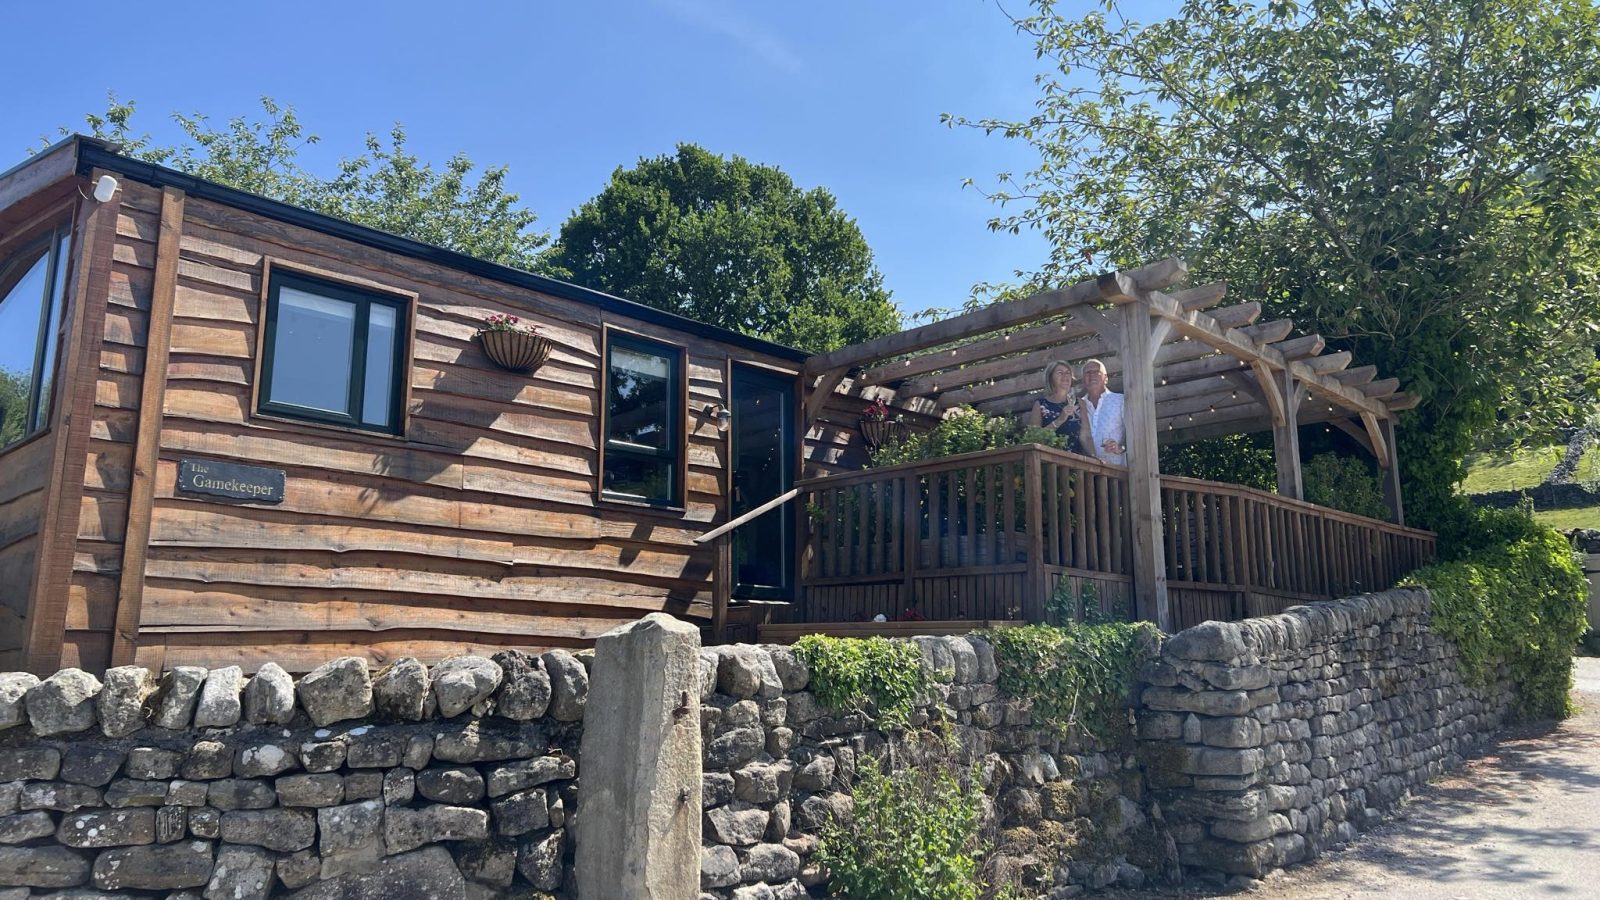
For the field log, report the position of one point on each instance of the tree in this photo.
(385, 187)
(1412, 178)
(732, 243)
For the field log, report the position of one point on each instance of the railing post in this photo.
(1038, 580)
(910, 535)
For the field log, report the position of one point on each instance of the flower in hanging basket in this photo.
(512, 344)
(877, 427)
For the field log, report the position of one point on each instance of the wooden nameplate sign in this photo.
(230, 480)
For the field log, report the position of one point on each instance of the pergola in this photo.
(1188, 366)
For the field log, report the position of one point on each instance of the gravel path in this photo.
(1520, 821)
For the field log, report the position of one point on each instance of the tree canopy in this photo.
(1412, 178)
(384, 187)
(730, 242)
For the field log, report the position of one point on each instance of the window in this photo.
(32, 281)
(643, 421)
(333, 354)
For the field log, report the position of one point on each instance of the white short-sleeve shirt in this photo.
(1105, 421)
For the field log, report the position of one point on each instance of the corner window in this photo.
(333, 354)
(643, 421)
(32, 281)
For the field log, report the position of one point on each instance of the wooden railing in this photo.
(990, 535)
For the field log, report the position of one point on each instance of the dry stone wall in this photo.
(1251, 746)
(1270, 740)
(451, 783)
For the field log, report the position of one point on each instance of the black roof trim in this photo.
(94, 154)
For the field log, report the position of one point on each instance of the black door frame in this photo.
(789, 466)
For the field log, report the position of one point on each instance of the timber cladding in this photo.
(480, 526)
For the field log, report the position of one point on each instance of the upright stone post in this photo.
(638, 823)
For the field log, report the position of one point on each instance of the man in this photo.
(1105, 415)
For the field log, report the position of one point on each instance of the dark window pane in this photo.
(638, 411)
(52, 332)
(312, 351)
(639, 478)
(377, 401)
(22, 287)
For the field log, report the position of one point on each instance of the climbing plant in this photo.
(1075, 675)
(854, 673)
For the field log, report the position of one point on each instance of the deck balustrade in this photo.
(989, 536)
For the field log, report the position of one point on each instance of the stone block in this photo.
(122, 706)
(375, 750)
(241, 873)
(475, 741)
(1208, 641)
(458, 785)
(187, 793)
(768, 863)
(315, 791)
(489, 863)
(399, 786)
(269, 696)
(427, 873)
(322, 756)
(264, 760)
(522, 812)
(284, 830)
(205, 822)
(42, 867)
(219, 705)
(539, 861)
(737, 824)
(63, 703)
(363, 786)
(208, 760)
(350, 837)
(31, 763)
(400, 690)
(524, 693)
(1236, 732)
(763, 782)
(175, 699)
(735, 748)
(152, 763)
(569, 685)
(59, 796)
(792, 671)
(336, 691)
(719, 867)
(14, 686)
(407, 829)
(160, 867)
(462, 682)
(1206, 703)
(24, 827)
(172, 822)
(298, 869)
(527, 773)
(241, 793)
(108, 828)
(716, 788)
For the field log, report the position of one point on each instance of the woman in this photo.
(1059, 411)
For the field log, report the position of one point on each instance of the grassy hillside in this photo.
(1522, 469)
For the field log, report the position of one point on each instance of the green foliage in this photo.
(1344, 482)
(1235, 459)
(914, 836)
(964, 431)
(732, 243)
(1074, 674)
(855, 673)
(384, 187)
(1413, 179)
(13, 406)
(1521, 603)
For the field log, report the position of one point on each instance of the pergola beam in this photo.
(1202, 327)
(1109, 287)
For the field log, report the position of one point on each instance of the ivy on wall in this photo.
(1516, 599)
(1075, 675)
(857, 673)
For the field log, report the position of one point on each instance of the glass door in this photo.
(763, 468)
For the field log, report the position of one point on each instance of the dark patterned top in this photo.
(1067, 427)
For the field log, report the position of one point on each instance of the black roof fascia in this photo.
(94, 154)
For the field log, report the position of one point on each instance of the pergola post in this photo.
(1389, 470)
(1144, 464)
(1286, 438)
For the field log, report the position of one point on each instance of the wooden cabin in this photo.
(248, 432)
(233, 431)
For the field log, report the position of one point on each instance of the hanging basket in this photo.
(515, 351)
(878, 432)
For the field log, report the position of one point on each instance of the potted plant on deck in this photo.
(878, 426)
(511, 345)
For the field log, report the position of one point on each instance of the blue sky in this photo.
(842, 95)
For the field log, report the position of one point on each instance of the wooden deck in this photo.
(988, 537)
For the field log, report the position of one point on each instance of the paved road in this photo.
(1521, 821)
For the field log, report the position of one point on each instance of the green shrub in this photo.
(914, 836)
(1074, 674)
(851, 673)
(1344, 482)
(1235, 459)
(964, 431)
(1519, 602)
